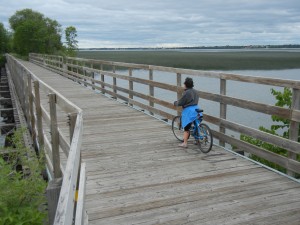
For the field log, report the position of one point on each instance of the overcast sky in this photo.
(170, 23)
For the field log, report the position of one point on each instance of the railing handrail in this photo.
(202, 73)
(77, 68)
(65, 208)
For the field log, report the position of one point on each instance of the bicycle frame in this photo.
(195, 131)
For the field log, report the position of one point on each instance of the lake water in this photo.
(254, 92)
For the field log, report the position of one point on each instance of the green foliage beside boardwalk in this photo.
(284, 99)
(22, 191)
(243, 60)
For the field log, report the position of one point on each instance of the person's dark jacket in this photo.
(190, 97)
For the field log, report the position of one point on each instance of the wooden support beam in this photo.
(31, 110)
(7, 109)
(130, 85)
(179, 92)
(54, 136)
(52, 194)
(294, 126)
(114, 81)
(38, 114)
(223, 109)
(151, 90)
(102, 79)
(72, 121)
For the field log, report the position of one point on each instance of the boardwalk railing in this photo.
(85, 70)
(30, 90)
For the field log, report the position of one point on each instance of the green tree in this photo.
(282, 125)
(33, 32)
(4, 39)
(71, 42)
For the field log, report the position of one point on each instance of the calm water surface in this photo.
(253, 92)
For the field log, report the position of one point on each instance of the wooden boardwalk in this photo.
(136, 174)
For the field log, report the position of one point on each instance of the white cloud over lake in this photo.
(136, 23)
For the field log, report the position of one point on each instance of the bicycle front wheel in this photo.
(206, 138)
(177, 129)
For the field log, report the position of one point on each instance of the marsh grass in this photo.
(254, 60)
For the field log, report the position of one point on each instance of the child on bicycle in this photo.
(189, 102)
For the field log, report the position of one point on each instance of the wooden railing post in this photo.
(114, 81)
(26, 95)
(54, 136)
(31, 110)
(64, 64)
(223, 109)
(44, 60)
(93, 76)
(77, 66)
(84, 74)
(72, 121)
(130, 85)
(102, 79)
(52, 194)
(38, 114)
(294, 127)
(179, 92)
(151, 89)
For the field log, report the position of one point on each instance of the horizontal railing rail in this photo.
(47, 135)
(84, 71)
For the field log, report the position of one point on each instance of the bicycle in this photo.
(200, 131)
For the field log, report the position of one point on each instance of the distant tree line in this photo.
(31, 31)
(205, 47)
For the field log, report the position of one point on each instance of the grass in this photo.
(256, 60)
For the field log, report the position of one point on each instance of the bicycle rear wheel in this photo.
(205, 144)
(177, 129)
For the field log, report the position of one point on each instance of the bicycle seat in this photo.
(199, 110)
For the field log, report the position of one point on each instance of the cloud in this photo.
(135, 23)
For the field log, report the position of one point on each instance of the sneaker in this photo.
(182, 145)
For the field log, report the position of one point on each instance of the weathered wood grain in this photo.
(136, 174)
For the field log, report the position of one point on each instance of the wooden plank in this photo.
(31, 109)
(114, 79)
(26, 94)
(223, 108)
(137, 80)
(270, 156)
(146, 162)
(179, 90)
(295, 115)
(233, 77)
(287, 144)
(72, 122)
(45, 116)
(38, 113)
(63, 143)
(110, 63)
(151, 88)
(146, 97)
(294, 126)
(64, 105)
(102, 77)
(80, 207)
(54, 136)
(52, 193)
(241, 103)
(250, 105)
(93, 76)
(130, 85)
(64, 212)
